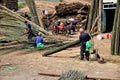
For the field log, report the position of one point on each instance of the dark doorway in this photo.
(110, 13)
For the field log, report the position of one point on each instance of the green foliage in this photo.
(21, 4)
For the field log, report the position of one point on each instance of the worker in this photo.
(39, 42)
(28, 31)
(83, 38)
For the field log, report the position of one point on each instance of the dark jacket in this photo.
(84, 37)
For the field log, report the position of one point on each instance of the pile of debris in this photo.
(77, 11)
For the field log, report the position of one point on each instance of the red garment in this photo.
(59, 28)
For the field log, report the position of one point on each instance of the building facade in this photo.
(108, 13)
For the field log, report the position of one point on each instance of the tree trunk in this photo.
(32, 8)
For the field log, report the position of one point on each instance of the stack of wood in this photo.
(115, 41)
(72, 8)
(77, 11)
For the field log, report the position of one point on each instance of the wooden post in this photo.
(114, 31)
(32, 8)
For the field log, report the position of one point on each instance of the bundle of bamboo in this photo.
(77, 11)
(95, 16)
(115, 41)
(72, 8)
(15, 26)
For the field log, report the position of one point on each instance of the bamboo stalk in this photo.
(61, 48)
(117, 35)
(114, 31)
(119, 31)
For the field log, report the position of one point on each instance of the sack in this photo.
(88, 45)
(40, 45)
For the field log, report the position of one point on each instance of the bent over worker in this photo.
(83, 38)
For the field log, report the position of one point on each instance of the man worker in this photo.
(83, 38)
(29, 31)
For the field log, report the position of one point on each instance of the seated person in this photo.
(96, 57)
(39, 41)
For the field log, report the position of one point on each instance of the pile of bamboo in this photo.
(15, 26)
(115, 42)
(77, 11)
(72, 8)
(94, 20)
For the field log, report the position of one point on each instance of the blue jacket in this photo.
(38, 39)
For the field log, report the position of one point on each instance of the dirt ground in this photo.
(28, 65)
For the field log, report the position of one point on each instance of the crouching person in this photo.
(96, 57)
(39, 42)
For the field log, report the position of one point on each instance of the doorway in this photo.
(110, 13)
